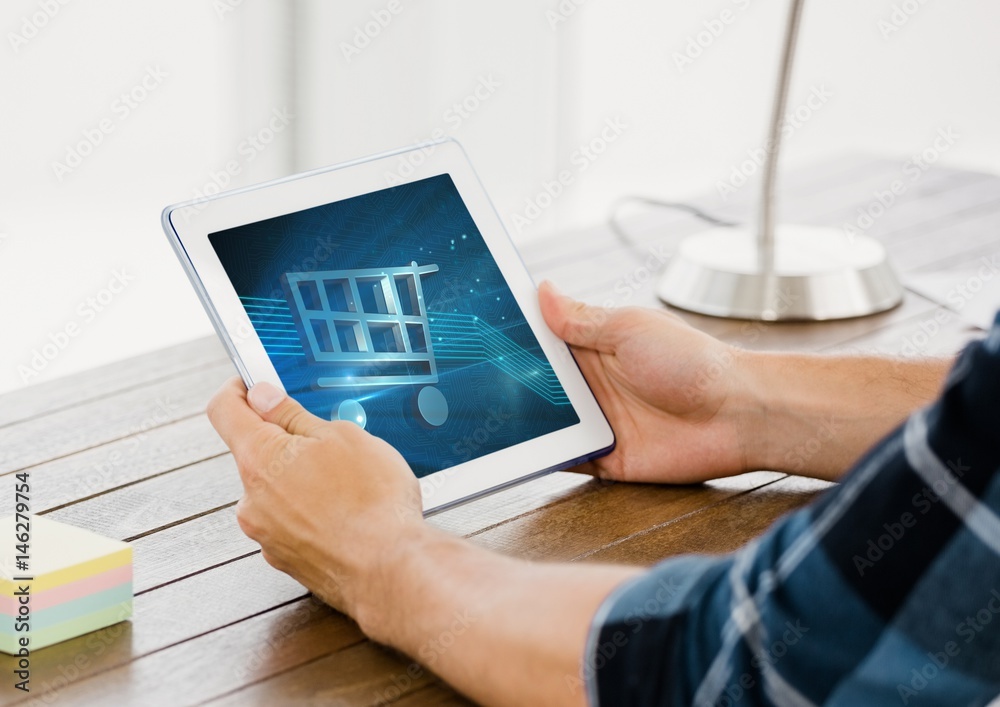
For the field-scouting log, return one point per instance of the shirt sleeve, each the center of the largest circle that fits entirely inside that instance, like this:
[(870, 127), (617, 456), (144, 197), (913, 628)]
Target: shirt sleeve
[(885, 591)]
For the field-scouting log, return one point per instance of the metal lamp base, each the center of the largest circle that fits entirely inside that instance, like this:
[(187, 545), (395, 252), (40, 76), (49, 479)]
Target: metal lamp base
[(819, 274)]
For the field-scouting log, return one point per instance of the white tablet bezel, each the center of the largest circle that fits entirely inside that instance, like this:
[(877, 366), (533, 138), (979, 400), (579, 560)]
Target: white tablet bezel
[(189, 224)]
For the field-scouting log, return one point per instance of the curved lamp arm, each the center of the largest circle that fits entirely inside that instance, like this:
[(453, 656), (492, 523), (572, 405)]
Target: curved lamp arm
[(766, 216)]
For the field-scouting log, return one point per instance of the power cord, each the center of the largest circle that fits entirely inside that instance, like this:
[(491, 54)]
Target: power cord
[(627, 240)]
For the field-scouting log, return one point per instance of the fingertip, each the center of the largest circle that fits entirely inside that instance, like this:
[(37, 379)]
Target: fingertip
[(573, 321), (281, 409), (550, 287), (264, 397), (549, 299), (233, 418)]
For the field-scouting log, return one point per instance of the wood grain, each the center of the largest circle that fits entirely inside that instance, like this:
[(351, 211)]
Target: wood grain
[(168, 616), (159, 502), (241, 653), (363, 674), (568, 530), (437, 694), (104, 468), (125, 414), (187, 548), (721, 528), (69, 392), (935, 333)]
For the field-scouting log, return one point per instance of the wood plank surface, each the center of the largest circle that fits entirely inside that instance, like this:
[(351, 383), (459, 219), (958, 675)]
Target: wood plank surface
[(717, 529), (110, 466), (70, 391), (126, 414), (125, 450), (434, 694)]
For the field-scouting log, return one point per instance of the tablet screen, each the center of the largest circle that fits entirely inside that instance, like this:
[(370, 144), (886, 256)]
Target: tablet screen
[(388, 310)]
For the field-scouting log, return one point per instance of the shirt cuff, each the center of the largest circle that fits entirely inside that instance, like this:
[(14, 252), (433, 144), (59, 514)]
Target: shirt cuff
[(590, 654)]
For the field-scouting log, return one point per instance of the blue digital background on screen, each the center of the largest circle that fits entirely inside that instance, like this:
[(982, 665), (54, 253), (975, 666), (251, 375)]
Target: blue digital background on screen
[(388, 309)]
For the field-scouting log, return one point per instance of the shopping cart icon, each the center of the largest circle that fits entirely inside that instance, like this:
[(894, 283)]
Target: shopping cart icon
[(368, 327)]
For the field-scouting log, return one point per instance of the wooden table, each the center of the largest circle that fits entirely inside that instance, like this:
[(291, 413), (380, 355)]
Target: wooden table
[(127, 451)]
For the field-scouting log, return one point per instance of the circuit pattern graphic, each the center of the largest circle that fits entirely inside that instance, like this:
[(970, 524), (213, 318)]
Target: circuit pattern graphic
[(456, 337)]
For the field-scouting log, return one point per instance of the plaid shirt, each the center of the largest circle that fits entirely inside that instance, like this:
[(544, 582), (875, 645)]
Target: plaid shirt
[(886, 591)]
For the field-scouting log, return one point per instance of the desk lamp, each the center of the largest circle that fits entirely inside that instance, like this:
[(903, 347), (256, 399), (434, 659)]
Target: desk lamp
[(795, 272)]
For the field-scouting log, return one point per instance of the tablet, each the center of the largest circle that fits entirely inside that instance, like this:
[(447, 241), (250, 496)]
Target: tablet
[(386, 292)]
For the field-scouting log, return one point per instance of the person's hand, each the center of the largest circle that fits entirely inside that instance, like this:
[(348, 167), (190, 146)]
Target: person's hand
[(679, 401), (328, 502)]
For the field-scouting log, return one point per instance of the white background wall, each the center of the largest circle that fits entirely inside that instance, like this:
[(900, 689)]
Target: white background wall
[(62, 240)]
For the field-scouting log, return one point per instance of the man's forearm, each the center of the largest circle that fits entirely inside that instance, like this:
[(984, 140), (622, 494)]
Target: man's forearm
[(501, 630), (819, 414)]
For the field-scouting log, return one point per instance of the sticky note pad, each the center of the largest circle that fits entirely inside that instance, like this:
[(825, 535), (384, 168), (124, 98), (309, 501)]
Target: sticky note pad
[(76, 581)]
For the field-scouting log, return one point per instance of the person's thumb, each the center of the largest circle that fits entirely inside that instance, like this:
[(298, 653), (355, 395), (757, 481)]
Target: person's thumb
[(277, 407), (574, 322)]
